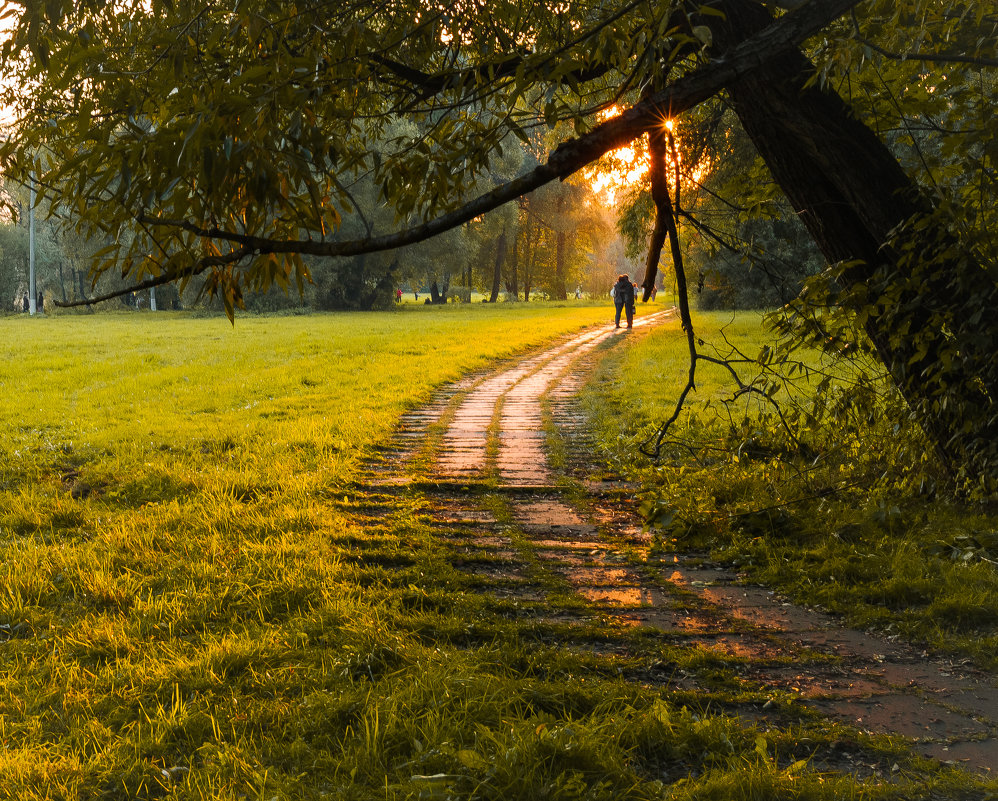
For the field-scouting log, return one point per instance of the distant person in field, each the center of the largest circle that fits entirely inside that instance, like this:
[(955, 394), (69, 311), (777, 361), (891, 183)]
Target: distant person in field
[(623, 299), (398, 295), (25, 304), (40, 308)]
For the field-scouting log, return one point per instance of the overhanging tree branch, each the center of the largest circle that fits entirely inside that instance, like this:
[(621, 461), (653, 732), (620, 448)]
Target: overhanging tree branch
[(786, 32), (505, 67), (936, 58), (166, 277)]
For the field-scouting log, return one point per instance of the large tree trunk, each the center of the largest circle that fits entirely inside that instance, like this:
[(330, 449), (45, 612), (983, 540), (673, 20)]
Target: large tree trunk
[(852, 194)]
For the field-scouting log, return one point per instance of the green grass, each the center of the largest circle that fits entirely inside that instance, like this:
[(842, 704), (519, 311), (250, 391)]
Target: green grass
[(167, 517), (840, 521), (198, 601), (145, 404)]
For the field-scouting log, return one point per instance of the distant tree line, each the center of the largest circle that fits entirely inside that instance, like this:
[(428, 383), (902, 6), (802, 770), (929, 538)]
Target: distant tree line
[(553, 243)]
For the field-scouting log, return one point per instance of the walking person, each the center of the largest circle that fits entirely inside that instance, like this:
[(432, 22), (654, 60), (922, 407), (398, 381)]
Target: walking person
[(623, 299)]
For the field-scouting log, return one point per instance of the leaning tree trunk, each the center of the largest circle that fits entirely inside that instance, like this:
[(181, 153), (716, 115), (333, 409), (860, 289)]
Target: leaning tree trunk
[(918, 298)]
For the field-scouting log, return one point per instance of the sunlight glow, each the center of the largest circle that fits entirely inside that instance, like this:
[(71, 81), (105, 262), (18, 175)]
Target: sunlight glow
[(627, 166), (618, 169)]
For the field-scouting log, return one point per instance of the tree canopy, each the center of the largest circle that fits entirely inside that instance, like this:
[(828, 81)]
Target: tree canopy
[(231, 137)]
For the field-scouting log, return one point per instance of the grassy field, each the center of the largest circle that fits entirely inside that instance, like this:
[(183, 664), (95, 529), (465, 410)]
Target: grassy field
[(168, 509), (198, 602), (842, 520), (136, 404)]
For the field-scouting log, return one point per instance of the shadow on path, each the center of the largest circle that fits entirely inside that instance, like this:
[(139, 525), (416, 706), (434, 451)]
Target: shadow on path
[(490, 438)]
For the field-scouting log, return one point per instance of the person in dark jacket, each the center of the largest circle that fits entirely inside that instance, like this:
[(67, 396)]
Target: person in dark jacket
[(623, 299)]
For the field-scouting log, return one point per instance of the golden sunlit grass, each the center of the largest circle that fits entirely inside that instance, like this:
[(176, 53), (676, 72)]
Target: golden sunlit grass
[(170, 540), (167, 396), (197, 601)]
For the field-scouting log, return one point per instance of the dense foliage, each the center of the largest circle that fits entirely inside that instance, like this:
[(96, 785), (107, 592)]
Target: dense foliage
[(202, 137)]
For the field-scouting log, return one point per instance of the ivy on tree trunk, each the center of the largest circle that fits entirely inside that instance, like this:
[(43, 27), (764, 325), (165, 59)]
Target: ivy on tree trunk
[(916, 294)]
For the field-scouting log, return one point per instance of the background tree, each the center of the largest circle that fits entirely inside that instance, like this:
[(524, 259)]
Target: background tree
[(743, 245)]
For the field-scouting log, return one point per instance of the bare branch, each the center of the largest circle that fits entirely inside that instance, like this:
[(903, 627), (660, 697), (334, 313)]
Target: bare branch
[(744, 389), (167, 277), (665, 221)]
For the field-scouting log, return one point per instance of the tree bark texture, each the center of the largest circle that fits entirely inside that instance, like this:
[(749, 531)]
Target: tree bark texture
[(852, 195)]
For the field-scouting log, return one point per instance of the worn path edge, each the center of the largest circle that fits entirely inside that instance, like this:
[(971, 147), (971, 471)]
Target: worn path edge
[(496, 430)]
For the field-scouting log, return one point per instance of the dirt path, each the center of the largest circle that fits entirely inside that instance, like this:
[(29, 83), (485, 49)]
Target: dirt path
[(502, 458)]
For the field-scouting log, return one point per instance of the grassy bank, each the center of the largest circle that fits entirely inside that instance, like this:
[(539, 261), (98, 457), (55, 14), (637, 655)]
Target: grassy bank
[(838, 520)]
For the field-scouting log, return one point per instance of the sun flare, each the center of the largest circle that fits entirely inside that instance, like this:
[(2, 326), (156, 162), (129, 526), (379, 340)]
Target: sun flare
[(627, 166), (622, 168)]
